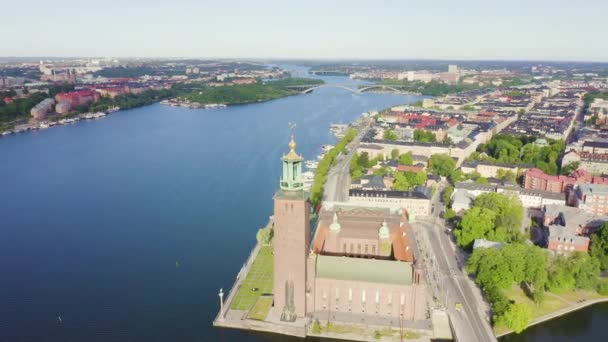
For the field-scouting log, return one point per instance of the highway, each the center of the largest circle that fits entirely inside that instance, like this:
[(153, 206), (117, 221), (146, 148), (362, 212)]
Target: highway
[(449, 280)]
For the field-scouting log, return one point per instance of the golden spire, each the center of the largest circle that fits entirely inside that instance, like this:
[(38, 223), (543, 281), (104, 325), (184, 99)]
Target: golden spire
[(292, 155), (292, 144)]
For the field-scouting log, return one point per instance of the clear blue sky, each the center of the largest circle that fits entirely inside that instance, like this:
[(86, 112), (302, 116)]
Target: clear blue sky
[(460, 29)]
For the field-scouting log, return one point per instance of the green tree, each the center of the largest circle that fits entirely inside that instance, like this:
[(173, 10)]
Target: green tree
[(264, 235), (482, 180), (476, 223), (401, 182), (599, 246), (568, 169), (395, 154), (447, 196), (490, 268), (442, 164), (421, 135), (508, 209), (516, 317), (506, 175), (389, 135), (406, 159)]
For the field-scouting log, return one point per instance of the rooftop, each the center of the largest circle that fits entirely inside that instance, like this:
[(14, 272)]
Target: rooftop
[(366, 270)]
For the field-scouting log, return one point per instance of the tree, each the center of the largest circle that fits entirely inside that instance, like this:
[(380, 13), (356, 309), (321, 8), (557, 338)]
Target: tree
[(516, 317), (383, 171), (568, 169), (599, 245), (264, 235), (424, 136), (476, 223), (395, 154), (506, 175), (482, 180), (447, 196), (363, 160), (406, 159), (442, 164), (508, 209), (515, 256), (401, 182), (490, 268), (389, 135), (586, 271)]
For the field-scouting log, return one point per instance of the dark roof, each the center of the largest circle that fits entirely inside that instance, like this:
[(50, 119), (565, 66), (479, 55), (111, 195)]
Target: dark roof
[(419, 192)]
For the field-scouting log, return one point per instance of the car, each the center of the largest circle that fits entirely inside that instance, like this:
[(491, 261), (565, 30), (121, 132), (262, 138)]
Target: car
[(458, 306)]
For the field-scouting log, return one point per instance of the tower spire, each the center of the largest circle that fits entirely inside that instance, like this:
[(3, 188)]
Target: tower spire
[(292, 168)]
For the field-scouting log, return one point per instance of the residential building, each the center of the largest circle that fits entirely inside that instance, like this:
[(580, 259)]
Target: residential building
[(567, 229), (414, 203), (40, 110), (592, 198)]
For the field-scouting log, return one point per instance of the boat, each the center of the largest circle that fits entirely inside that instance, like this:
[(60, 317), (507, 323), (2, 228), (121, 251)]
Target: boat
[(308, 175), (320, 156), (311, 164), (44, 125), (327, 148)]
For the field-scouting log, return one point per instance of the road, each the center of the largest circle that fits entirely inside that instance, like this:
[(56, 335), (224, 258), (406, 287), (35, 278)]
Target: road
[(449, 280), (338, 178), (446, 277)]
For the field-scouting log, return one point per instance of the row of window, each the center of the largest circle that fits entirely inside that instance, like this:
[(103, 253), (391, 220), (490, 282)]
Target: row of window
[(389, 297), (352, 249)]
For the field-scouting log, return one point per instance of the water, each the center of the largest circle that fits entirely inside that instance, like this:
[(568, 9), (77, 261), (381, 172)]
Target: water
[(584, 325), (95, 215)]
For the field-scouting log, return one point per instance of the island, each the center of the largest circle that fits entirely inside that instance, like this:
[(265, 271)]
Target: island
[(235, 92)]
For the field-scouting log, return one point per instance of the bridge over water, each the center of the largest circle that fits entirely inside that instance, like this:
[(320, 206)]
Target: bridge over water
[(378, 87)]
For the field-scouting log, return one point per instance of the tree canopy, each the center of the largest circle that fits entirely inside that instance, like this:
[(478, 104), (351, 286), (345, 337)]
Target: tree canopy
[(521, 150), (389, 135), (442, 164), (424, 136), (496, 217), (599, 246)]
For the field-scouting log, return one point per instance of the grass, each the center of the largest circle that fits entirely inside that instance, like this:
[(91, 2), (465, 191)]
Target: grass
[(335, 328), (389, 332), (261, 308), (551, 303), (260, 277)]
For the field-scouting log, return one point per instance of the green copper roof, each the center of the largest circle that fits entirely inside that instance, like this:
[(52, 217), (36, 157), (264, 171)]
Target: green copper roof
[(367, 270)]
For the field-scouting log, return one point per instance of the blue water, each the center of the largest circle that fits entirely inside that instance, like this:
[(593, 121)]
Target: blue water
[(95, 215)]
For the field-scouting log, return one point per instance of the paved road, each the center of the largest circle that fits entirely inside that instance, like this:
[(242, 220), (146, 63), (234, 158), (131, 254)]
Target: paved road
[(449, 281), (338, 179)]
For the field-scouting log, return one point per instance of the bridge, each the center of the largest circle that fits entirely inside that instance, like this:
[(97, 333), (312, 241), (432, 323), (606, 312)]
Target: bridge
[(305, 89)]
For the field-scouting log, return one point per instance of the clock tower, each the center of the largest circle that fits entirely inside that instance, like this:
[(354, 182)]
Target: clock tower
[(291, 238)]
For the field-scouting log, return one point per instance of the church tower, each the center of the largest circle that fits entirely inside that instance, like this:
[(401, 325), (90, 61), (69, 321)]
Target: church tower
[(291, 238)]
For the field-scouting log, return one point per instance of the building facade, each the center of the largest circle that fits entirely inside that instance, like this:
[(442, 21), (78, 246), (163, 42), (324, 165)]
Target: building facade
[(291, 239)]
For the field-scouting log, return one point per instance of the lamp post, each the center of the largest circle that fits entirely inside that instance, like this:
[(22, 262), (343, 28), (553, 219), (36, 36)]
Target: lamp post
[(221, 294)]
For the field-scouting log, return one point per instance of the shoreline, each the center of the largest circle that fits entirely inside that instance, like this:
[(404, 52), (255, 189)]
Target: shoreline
[(559, 313)]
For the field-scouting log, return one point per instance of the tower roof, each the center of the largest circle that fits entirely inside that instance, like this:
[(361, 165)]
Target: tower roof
[(292, 154)]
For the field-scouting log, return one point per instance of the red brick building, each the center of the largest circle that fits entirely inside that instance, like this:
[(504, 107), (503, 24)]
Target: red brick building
[(538, 180), (75, 99)]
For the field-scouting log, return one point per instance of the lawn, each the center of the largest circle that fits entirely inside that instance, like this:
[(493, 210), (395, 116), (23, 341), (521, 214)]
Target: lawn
[(551, 303), (261, 308), (257, 282)]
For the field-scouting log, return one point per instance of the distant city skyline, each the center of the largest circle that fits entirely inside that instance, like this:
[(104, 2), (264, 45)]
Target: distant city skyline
[(440, 29)]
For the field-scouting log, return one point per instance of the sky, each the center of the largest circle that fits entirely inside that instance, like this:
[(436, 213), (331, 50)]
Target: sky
[(328, 29)]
